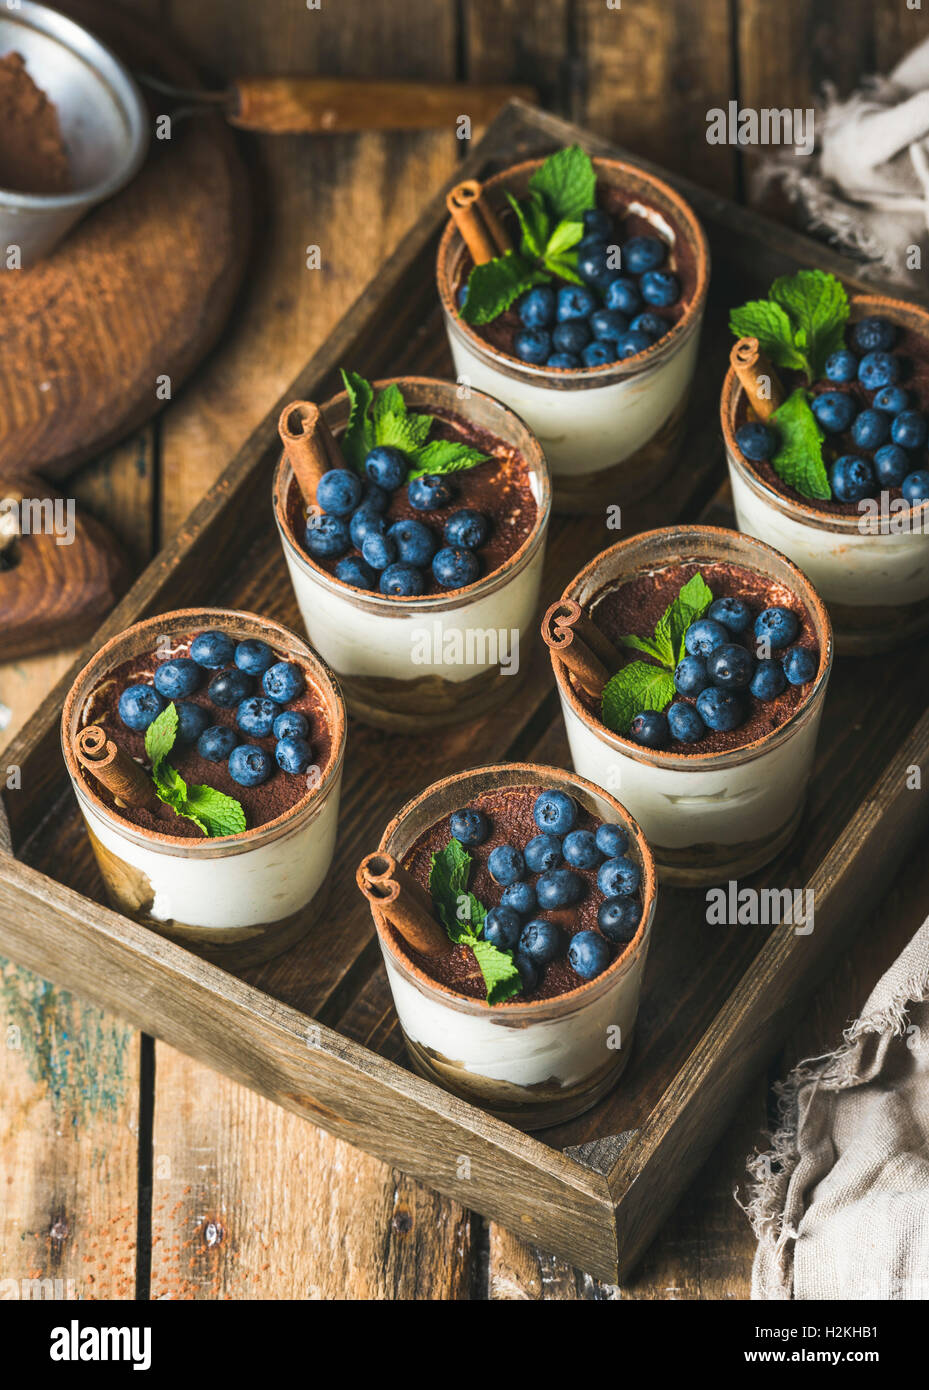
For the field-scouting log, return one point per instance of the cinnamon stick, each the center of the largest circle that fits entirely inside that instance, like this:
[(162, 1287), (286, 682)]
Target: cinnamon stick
[(477, 222), (407, 906), (588, 654), (310, 446), (114, 768), (757, 377)]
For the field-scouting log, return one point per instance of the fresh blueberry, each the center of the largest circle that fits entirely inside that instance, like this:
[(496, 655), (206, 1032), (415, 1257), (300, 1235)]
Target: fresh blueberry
[(572, 336), (642, 253), (379, 551), (842, 366), (871, 429), (623, 294), (253, 656), (776, 627), (612, 840), (216, 743), (506, 865), (502, 927), (721, 710), (660, 288), (365, 522), (618, 919), (290, 723), (588, 954), (283, 682), (191, 721), (575, 302), (537, 308), (466, 527), (528, 972), (402, 581), (800, 665), (891, 399), (338, 492), (834, 411), (851, 478), (541, 941), (691, 676), (598, 353), (543, 853), (879, 369), (469, 827), (769, 680), (255, 716), (592, 264), (212, 649), (230, 688), (533, 345), (874, 335), (293, 754), (598, 223), (891, 465), (375, 497), (608, 324), (430, 491), (250, 765), (756, 441), (632, 343), (415, 542), (685, 723), (652, 324), (915, 486), (326, 537), (580, 849), (554, 812), (733, 613), (454, 567), (564, 359), (462, 296), (179, 677), (559, 888), (909, 430), (521, 898), (387, 467), (354, 571), (704, 636), (618, 877), (650, 728), (730, 666)]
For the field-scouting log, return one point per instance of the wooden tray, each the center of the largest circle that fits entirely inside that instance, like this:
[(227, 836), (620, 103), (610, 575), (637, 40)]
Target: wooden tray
[(315, 1030)]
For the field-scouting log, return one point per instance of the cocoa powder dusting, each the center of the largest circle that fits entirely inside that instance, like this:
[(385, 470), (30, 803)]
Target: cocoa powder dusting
[(32, 152)]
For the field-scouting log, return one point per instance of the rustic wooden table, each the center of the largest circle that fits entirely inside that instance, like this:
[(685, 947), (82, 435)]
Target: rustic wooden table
[(127, 1169)]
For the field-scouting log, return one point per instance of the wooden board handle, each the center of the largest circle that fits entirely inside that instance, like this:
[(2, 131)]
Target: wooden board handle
[(306, 105)]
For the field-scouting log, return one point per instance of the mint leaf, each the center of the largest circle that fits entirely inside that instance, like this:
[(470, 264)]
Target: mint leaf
[(404, 432), (818, 308), (448, 883), (636, 687), (358, 440), (501, 977), (691, 603), (565, 235), (533, 224), (565, 267), (444, 456), (160, 736), (386, 403), (493, 286), (768, 322), (214, 811), (656, 649), (170, 786), (567, 182), (799, 458)]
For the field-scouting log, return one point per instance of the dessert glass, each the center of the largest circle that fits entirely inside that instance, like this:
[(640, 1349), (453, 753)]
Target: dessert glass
[(609, 433), (708, 817), (408, 664), (875, 582), (236, 899), (532, 1064)]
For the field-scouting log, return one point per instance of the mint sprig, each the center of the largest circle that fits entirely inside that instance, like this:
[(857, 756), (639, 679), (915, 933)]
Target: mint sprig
[(462, 915), (213, 811), (799, 458), (382, 417)]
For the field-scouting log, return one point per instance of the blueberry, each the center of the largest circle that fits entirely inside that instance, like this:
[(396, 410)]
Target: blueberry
[(612, 840), (733, 613), (430, 491), (543, 853), (462, 296), (874, 335), (588, 954), (871, 429), (469, 827), (650, 728), (191, 721), (756, 441), (253, 656), (179, 677), (891, 465), (891, 399), (660, 288), (250, 765), (878, 369), (730, 666), (521, 898), (541, 941), (216, 743), (375, 497), (769, 680), (326, 537), (608, 324), (851, 478), (365, 522), (632, 343), (652, 324), (685, 723), (454, 567), (618, 877), (283, 682), (842, 366), (230, 688), (506, 865), (212, 649), (415, 542), (564, 359), (354, 571), (592, 267), (554, 812), (402, 581), (255, 716), (776, 627), (537, 308), (916, 486), (909, 430), (623, 294), (800, 665), (528, 972), (834, 411), (379, 551), (290, 723), (598, 223), (580, 849), (387, 467), (559, 888), (720, 709), (575, 302), (704, 636), (293, 754), (466, 527), (338, 492), (533, 345), (618, 919), (691, 676), (572, 336), (642, 253), (598, 353), (502, 927)]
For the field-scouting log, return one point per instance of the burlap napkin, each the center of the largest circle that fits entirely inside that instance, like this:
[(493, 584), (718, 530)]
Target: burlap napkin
[(840, 1202)]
